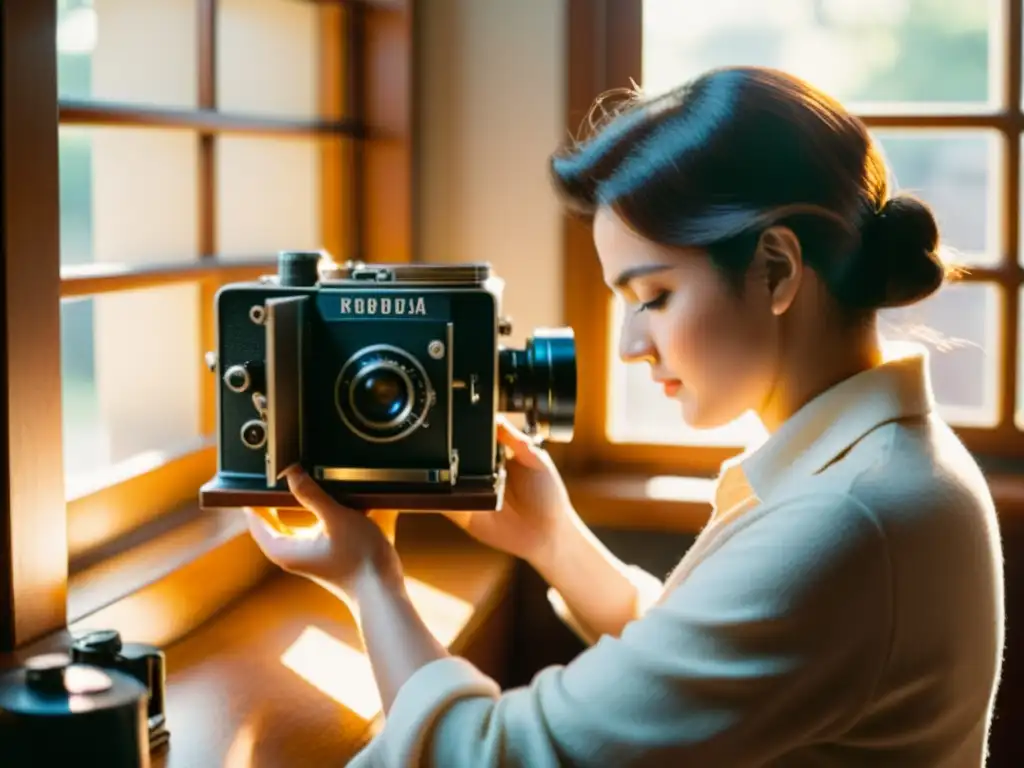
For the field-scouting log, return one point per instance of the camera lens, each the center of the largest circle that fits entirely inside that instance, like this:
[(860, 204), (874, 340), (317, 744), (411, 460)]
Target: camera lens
[(380, 396), (540, 381), (383, 394)]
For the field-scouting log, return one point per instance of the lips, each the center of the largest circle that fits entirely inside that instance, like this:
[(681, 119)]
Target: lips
[(671, 387)]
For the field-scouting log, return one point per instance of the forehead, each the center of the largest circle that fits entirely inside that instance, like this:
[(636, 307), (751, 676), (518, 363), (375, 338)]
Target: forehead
[(620, 248)]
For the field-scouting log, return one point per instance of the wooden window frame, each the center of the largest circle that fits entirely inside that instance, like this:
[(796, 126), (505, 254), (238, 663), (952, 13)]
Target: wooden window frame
[(605, 52), (366, 200)]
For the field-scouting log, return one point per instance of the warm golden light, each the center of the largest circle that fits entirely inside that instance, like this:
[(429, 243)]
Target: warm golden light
[(336, 669), (679, 488), (343, 673), (240, 752), (444, 614)]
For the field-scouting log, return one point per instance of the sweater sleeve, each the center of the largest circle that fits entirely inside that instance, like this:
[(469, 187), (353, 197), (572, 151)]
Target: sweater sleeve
[(648, 590), (775, 639)]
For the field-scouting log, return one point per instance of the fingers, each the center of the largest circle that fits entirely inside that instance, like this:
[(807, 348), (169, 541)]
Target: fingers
[(268, 517), (275, 545), (308, 493), (331, 513), (512, 437)]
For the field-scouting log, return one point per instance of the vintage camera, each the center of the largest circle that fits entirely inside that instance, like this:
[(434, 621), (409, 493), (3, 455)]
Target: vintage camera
[(381, 380)]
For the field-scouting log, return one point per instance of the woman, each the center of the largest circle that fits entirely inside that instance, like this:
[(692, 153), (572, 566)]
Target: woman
[(843, 606)]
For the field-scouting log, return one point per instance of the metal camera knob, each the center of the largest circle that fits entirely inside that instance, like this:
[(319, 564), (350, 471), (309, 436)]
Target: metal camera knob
[(254, 434), (298, 269), (98, 647), (237, 378)]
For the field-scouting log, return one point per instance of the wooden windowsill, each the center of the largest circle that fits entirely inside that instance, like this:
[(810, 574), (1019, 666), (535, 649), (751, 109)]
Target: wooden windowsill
[(682, 504), (265, 668), (642, 502), (279, 678)]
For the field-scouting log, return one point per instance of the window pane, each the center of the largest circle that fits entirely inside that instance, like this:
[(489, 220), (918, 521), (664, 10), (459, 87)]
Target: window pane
[(267, 57), (140, 51), (268, 195), (960, 327), (957, 173), (127, 195), (882, 52), (639, 412), (130, 379)]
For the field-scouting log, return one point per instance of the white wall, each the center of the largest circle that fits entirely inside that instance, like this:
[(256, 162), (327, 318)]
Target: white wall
[(491, 111)]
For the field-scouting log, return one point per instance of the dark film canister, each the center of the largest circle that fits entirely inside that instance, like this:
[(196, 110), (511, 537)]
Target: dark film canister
[(298, 268), (55, 712)]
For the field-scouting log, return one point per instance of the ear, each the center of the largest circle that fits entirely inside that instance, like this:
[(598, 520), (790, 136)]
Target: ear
[(780, 259)]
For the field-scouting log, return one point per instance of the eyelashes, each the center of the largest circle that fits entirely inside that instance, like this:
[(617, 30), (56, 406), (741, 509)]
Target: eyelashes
[(657, 302)]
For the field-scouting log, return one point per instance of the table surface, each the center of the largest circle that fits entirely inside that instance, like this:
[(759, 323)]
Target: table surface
[(280, 679)]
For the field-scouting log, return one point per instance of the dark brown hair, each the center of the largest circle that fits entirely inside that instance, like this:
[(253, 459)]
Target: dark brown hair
[(716, 161)]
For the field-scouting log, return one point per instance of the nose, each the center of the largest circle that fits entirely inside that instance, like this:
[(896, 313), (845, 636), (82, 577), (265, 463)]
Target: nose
[(635, 344)]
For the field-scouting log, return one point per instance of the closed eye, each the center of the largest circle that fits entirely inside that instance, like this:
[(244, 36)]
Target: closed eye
[(656, 303)]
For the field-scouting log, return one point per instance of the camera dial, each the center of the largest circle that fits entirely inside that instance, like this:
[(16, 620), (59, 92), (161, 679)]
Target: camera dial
[(254, 434), (383, 394), (237, 378)]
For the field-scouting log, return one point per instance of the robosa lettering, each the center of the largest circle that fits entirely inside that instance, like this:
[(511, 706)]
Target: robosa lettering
[(403, 306)]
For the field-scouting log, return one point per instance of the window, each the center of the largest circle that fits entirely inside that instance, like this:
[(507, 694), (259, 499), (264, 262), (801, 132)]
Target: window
[(196, 139), (160, 204), (938, 83)]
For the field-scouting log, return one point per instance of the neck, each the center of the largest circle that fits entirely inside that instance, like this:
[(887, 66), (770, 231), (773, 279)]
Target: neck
[(821, 362)]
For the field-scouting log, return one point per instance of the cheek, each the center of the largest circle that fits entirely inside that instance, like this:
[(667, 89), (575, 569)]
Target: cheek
[(714, 345)]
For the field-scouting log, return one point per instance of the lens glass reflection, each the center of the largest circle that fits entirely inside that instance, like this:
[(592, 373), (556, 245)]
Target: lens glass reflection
[(380, 396)]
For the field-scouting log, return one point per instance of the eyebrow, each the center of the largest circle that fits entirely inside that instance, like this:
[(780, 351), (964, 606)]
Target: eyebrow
[(631, 274)]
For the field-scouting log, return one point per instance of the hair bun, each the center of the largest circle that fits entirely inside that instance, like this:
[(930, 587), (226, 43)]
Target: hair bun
[(899, 250)]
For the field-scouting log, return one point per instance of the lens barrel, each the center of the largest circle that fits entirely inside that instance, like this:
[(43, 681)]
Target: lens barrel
[(540, 382)]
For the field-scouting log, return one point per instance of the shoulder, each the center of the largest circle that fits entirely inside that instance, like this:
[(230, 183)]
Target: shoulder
[(921, 485), (799, 554), (912, 474)]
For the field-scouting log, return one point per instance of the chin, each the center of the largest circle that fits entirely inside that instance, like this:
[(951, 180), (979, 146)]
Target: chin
[(702, 417)]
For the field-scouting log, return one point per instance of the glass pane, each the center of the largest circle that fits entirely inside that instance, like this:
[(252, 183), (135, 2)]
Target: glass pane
[(267, 57), (130, 380), (957, 173), (961, 329), (882, 52), (127, 195), (959, 326), (639, 412), (141, 51), (268, 195)]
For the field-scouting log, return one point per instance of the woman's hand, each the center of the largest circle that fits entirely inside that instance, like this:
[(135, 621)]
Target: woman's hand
[(343, 546), (536, 502)]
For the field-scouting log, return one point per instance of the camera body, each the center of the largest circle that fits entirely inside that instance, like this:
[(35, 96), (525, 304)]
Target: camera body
[(382, 381)]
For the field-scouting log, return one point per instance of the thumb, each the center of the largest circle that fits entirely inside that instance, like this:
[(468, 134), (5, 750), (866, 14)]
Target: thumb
[(512, 437), (309, 493)]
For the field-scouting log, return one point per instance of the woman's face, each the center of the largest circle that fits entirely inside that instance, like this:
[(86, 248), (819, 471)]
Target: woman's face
[(713, 349)]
